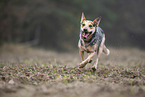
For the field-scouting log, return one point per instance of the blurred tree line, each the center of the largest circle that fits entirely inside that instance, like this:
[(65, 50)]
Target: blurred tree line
[(55, 23)]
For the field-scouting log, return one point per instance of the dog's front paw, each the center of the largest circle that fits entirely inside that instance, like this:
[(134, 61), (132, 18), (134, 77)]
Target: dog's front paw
[(94, 68), (83, 64), (90, 61)]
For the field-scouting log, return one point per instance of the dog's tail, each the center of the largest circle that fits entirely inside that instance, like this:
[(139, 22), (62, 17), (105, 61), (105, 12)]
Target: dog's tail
[(106, 50)]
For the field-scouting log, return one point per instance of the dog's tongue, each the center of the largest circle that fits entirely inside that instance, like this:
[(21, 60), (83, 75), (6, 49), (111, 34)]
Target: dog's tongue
[(85, 35)]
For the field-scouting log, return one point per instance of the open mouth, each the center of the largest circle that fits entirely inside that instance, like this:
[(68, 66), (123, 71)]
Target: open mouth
[(86, 34)]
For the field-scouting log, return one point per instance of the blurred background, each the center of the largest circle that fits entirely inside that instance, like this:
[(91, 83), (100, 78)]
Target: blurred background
[(55, 24)]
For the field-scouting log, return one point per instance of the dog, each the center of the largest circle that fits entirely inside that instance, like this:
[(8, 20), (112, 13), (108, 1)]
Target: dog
[(92, 39)]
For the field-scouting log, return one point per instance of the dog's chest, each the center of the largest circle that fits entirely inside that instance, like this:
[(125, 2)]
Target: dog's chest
[(89, 48)]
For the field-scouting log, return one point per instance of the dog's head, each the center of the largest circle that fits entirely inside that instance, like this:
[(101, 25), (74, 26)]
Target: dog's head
[(88, 27)]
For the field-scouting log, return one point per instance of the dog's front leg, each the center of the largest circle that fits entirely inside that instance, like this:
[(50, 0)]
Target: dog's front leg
[(99, 51), (82, 55), (98, 56), (87, 60)]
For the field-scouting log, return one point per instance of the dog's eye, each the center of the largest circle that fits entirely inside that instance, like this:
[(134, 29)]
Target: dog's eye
[(83, 24), (90, 26)]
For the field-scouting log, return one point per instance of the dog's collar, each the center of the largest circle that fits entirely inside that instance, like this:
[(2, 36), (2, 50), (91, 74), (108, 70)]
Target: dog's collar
[(96, 36)]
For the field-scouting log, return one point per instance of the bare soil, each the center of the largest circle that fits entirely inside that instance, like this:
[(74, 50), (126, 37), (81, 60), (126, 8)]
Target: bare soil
[(29, 72)]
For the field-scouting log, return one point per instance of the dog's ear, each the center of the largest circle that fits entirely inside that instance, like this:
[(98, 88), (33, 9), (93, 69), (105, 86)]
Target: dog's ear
[(97, 21), (83, 17)]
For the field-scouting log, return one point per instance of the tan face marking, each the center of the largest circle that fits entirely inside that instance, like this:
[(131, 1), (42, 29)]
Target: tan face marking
[(87, 24)]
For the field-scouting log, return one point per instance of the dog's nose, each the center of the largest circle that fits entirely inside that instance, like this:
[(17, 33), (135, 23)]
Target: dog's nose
[(85, 29)]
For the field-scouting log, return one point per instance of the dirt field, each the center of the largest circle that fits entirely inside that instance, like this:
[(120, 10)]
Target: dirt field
[(27, 72)]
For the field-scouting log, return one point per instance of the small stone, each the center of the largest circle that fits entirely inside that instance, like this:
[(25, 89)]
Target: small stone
[(11, 81)]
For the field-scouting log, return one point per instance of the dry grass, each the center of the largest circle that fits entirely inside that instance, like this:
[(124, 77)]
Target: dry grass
[(29, 72)]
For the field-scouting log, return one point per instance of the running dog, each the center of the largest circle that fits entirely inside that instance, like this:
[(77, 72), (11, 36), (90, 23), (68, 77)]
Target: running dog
[(92, 39)]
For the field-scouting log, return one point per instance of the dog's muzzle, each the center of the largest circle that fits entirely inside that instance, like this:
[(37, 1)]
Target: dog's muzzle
[(86, 35)]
